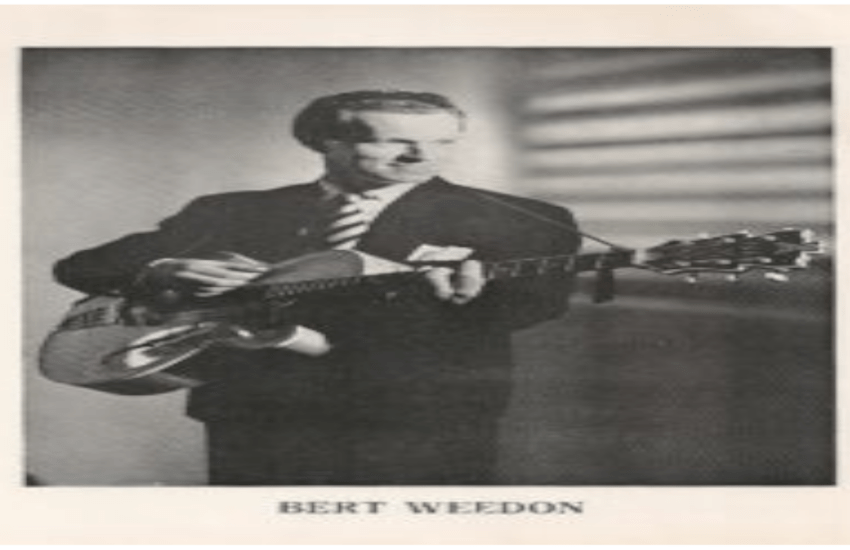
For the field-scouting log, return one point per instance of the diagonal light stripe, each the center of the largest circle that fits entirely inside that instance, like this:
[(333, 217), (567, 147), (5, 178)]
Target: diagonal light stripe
[(691, 90), (806, 148), (811, 115), (575, 66), (762, 179), (783, 212)]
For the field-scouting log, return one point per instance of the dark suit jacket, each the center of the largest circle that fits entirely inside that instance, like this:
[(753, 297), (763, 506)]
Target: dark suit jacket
[(395, 360)]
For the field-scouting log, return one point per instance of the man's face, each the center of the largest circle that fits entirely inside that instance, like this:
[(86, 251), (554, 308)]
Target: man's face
[(390, 148)]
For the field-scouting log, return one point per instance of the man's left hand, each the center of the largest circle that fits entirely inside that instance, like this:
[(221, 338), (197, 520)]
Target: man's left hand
[(458, 286)]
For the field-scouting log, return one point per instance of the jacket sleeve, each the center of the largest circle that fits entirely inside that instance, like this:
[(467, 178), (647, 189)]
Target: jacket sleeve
[(113, 267)]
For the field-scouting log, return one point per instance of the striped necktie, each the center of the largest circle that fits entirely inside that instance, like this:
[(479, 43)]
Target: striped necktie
[(346, 223)]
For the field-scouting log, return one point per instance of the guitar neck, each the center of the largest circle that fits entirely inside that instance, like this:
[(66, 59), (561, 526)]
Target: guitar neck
[(503, 269), (573, 263), (775, 254)]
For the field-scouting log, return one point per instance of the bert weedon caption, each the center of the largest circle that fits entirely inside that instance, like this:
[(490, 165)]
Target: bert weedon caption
[(539, 507)]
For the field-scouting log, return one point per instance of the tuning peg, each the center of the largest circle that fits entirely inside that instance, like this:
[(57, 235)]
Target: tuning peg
[(776, 276), (692, 278), (803, 260), (733, 277), (703, 235), (807, 236)]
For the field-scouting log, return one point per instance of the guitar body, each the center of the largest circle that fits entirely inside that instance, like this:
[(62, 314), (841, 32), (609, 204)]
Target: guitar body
[(113, 356), (113, 345)]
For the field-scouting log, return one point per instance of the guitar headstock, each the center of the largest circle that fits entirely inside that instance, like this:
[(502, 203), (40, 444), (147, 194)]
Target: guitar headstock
[(775, 254)]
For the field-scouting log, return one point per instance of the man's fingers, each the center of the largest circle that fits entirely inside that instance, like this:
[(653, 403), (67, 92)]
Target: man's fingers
[(199, 279), (225, 269), (441, 280), (248, 268), (242, 260), (468, 281), (459, 286), (210, 291), (208, 277), (212, 275), (211, 272)]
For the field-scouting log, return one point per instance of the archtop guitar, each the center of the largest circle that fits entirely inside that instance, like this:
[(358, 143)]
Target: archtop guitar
[(134, 346)]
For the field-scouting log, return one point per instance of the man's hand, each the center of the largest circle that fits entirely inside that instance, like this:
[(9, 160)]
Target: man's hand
[(205, 278), (458, 286), (252, 339), (299, 339)]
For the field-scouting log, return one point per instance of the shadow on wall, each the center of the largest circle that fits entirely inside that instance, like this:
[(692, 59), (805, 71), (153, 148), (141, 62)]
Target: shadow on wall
[(714, 383)]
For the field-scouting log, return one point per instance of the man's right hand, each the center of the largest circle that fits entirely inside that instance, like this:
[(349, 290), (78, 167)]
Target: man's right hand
[(204, 278)]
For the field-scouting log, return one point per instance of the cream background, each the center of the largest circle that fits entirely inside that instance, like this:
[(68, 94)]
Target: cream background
[(241, 515)]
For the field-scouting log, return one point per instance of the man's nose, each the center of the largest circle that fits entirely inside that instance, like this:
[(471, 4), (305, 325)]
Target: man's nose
[(417, 153)]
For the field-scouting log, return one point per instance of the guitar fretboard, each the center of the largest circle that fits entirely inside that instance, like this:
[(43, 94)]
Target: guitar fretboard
[(506, 269)]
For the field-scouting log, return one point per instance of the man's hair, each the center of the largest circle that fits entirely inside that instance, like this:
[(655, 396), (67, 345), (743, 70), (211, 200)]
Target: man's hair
[(323, 119)]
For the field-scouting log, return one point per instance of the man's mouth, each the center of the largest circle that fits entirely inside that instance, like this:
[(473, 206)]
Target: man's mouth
[(417, 167)]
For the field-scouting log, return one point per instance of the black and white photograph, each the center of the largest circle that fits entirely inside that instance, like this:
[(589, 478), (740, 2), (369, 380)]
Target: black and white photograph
[(428, 266)]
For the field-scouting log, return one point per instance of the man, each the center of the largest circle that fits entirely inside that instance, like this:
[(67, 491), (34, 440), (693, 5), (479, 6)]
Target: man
[(402, 390)]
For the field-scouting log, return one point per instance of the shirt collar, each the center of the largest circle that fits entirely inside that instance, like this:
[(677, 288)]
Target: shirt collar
[(384, 194)]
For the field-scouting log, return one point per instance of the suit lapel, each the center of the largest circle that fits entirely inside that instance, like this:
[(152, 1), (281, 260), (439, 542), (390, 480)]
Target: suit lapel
[(278, 225)]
